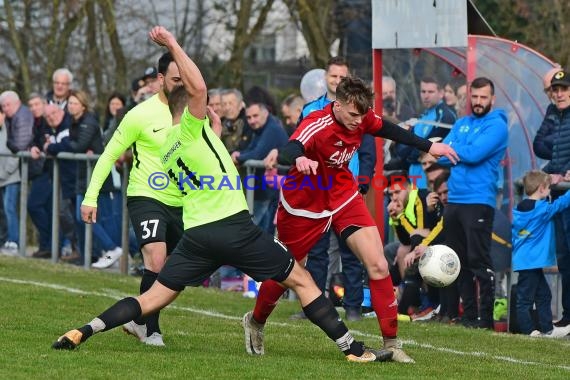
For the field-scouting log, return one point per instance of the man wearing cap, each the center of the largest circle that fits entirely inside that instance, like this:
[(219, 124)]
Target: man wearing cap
[(554, 139), (155, 210), (150, 78), (542, 144)]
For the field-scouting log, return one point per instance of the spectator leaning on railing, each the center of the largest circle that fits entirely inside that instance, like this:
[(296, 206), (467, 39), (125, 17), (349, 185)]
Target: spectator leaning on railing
[(19, 123)]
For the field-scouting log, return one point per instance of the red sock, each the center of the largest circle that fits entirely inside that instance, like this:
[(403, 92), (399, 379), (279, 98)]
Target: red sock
[(269, 293), (385, 305)]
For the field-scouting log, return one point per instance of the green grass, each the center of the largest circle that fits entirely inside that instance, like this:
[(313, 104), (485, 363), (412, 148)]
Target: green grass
[(40, 301)]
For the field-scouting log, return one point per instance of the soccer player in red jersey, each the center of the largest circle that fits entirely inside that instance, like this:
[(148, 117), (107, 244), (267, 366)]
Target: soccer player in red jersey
[(316, 196)]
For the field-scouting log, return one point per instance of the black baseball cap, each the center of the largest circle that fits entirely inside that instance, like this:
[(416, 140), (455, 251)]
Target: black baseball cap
[(136, 84), (561, 78), (150, 72)]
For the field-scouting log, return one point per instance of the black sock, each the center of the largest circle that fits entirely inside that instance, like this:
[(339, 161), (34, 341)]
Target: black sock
[(323, 314), (151, 320), (120, 313)]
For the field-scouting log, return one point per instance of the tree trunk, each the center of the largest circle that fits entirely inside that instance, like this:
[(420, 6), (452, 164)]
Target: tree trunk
[(116, 48), (317, 25), (242, 39), (92, 52), (23, 86)]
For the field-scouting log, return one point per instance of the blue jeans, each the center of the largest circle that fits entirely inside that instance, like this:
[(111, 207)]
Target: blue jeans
[(532, 288), (40, 208), (11, 202), (352, 270), (105, 228), (318, 262), (264, 213)]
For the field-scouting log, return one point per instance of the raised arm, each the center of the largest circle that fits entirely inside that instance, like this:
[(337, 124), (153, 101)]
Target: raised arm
[(189, 73)]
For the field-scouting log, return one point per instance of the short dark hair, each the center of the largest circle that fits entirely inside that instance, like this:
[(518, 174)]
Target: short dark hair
[(178, 100), (430, 79), (482, 82), (164, 61), (355, 91), (397, 178), (435, 166), (441, 179), (293, 98), (337, 61)]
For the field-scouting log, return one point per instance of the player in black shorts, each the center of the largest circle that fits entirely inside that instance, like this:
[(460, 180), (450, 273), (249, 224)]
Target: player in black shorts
[(152, 208), (218, 229)]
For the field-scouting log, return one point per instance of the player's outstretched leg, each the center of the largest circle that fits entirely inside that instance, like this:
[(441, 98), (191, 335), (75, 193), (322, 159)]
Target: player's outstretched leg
[(121, 312), (125, 310), (322, 313)]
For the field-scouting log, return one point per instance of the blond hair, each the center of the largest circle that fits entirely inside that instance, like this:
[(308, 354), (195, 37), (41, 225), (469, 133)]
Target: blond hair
[(533, 179), (82, 97)]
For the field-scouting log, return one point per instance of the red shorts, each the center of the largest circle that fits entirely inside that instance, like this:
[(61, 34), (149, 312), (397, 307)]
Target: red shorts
[(300, 234)]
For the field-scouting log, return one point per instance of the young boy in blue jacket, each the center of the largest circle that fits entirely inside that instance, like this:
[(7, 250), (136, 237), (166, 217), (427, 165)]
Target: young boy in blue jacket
[(533, 250)]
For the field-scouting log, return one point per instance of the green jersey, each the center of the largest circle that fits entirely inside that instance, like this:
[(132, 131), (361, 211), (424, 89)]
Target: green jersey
[(145, 127), (201, 169)]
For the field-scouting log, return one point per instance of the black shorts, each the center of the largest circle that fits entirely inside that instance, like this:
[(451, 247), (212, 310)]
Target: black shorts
[(234, 241), (153, 221)]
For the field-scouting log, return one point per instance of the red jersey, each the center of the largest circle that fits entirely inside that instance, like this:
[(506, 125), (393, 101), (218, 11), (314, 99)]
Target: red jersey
[(332, 145)]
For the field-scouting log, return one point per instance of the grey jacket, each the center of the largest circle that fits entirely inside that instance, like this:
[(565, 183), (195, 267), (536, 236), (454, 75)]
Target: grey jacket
[(20, 129), (9, 166)]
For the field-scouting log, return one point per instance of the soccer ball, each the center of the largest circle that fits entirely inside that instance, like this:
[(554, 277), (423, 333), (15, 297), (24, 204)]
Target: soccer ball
[(439, 265)]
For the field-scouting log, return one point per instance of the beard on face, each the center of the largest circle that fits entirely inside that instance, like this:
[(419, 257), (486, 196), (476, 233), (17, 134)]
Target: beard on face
[(480, 111)]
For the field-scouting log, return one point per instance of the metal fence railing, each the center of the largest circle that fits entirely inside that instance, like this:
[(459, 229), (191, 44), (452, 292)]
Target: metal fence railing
[(89, 159)]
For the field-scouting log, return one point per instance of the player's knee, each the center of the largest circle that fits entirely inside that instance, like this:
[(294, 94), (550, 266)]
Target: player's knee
[(154, 255), (378, 268), (299, 277), (154, 260)]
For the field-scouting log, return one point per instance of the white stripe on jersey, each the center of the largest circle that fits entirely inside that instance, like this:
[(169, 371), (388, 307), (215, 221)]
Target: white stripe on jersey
[(314, 128), (311, 214)]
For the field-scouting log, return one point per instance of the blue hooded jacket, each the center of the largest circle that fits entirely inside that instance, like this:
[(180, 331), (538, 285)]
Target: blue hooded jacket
[(480, 143), (533, 234)]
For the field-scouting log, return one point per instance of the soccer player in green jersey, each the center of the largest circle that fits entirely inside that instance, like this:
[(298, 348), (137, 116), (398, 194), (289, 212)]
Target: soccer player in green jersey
[(214, 208), (154, 209)]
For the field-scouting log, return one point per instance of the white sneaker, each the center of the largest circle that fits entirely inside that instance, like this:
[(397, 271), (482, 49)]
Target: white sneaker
[(109, 258), (155, 339), (253, 335), (138, 331), (557, 332), (535, 334), (9, 248)]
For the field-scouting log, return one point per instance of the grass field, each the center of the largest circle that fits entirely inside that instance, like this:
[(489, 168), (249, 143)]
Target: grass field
[(40, 301)]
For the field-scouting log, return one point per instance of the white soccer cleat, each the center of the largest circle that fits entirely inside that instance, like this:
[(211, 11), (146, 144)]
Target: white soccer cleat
[(138, 331), (109, 258), (253, 335), (398, 355), (155, 339)]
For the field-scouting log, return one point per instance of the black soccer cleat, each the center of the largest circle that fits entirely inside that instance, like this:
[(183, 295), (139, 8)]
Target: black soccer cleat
[(69, 341)]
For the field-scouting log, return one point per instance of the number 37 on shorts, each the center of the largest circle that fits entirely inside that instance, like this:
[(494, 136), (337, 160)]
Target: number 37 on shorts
[(149, 228)]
